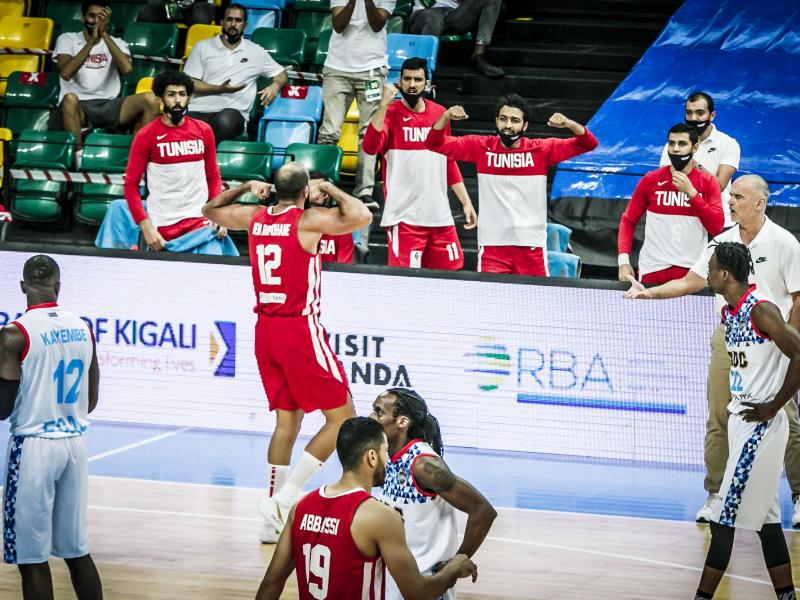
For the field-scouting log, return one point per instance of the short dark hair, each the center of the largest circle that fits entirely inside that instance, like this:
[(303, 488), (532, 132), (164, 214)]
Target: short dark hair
[(86, 4), (735, 258), (514, 101), (237, 7), (290, 180), (424, 425), (695, 96), (687, 129), (414, 64), (172, 77), (356, 436), (40, 270)]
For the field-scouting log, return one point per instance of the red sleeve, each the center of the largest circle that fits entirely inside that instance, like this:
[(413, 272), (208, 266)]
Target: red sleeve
[(558, 149), (633, 213), (457, 148), (453, 172), (137, 163), (375, 141), (212, 168), (708, 204)]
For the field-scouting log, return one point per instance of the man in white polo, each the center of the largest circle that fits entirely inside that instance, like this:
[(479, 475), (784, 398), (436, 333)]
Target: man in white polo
[(718, 152), (776, 264), (225, 69)]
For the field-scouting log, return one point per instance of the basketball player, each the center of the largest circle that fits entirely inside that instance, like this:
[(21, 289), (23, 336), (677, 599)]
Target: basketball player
[(421, 486), (340, 539), (48, 383), (299, 370), (765, 375)]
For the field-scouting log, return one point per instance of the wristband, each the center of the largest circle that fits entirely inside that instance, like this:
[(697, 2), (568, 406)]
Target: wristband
[(624, 259)]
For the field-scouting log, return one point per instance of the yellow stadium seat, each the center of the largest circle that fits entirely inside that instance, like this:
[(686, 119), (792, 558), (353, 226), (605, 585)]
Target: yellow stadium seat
[(12, 8), (352, 113), (197, 33), (144, 85), (22, 32), (348, 142), (5, 134)]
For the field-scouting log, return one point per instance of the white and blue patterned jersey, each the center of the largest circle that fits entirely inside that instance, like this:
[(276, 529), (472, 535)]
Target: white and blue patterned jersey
[(429, 520), (53, 396), (758, 367)]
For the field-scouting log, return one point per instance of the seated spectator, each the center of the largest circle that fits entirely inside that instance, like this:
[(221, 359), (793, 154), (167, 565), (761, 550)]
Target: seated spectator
[(332, 248), (216, 62), (683, 206), (89, 65), (434, 17), (179, 155), (189, 12), (717, 153)]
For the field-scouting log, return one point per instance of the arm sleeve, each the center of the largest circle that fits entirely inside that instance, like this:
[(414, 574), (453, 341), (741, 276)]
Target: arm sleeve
[(270, 68), (559, 149), (708, 205), (213, 178), (453, 172), (664, 162), (630, 218), (375, 141), (137, 163), (194, 64), (457, 148), (731, 155)]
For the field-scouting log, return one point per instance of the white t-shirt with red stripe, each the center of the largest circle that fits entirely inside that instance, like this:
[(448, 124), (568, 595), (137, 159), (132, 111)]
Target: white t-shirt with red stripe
[(182, 171), (98, 77), (677, 227), (415, 179), (512, 182)]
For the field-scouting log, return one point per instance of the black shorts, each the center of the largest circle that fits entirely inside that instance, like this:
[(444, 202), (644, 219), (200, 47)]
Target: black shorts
[(103, 114)]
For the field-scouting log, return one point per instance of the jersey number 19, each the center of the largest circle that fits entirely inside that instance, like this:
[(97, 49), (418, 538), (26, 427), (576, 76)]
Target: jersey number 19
[(318, 563)]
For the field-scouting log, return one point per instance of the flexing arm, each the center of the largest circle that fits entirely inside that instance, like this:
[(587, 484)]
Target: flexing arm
[(559, 150), (280, 567), (457, 148), (342, 16), (12, 345), (236, 217), (432, 473), (376, 17), (688, 284), (347, 216), (768, 320), (378, 129)]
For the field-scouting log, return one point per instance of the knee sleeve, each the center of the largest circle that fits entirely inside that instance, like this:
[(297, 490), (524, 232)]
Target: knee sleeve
[(773, 545), (719, 552)]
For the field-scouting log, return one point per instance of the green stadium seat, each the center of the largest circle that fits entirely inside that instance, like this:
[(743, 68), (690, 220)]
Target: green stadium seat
[(396, 24), (123, 13), (456, 37), (321, 52), (34, 90), (92, 200), (18, 119), (106, 152), (62, 11), (403, 8), (40, 203), (141, 68), (152, 39), (313, 24), (325, 159), (316, 5), (45, 149), (286, 46), (242, 161)]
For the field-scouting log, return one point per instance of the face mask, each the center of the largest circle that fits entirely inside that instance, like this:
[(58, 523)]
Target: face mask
[(411, 99), (508, 139), (700, 126), (176, 113), (679, 161)]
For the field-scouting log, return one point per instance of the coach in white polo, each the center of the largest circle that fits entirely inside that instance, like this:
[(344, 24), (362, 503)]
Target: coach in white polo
[(776, 265), (225, 70), (718, 152)]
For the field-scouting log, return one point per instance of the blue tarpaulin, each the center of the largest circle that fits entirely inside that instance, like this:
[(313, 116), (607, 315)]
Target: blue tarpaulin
[(746, 55)]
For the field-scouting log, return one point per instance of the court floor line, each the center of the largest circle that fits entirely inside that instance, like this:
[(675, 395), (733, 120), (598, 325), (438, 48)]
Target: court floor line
[(658, 563), (144, 442)]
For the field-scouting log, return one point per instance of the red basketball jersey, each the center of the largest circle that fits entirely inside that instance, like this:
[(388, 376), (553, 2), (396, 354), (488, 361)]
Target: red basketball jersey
[(286, 277), (327, 560)]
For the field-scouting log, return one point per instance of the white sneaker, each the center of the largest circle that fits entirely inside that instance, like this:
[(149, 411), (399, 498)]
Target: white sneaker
[(707, 510), (273, 521), (796, 515)]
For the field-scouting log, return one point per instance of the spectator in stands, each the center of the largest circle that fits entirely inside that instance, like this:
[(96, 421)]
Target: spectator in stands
[(776, 274), (179, 156), (332, 248), (356, 67), (434, 17), (189, 12), (419, 224), (512, 178), (718, 153), (89, 63), (683, 206), (216, 62)]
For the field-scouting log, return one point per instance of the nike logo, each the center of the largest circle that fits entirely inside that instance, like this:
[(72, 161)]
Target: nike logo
[(407, 118), (663, 182), (163, 135), (761, 259)]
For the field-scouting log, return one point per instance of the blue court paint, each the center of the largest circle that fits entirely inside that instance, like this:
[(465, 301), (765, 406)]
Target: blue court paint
[(654, 407)]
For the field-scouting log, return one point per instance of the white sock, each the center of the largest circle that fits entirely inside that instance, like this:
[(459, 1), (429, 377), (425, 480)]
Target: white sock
[(290, 492), (276, 478)]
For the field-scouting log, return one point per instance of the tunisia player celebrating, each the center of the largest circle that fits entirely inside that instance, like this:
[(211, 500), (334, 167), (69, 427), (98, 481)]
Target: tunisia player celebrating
[(299, 370)]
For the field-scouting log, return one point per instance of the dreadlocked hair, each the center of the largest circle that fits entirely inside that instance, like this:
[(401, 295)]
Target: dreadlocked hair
[(424, 425), (735, 258)]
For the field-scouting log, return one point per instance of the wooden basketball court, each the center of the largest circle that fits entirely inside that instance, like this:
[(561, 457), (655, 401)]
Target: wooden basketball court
[(167, 541)]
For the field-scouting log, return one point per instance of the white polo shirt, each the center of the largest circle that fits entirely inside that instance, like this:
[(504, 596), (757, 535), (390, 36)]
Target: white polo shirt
[(776, 261), (97, 78), (214, 63), (358, 48), (717, 149)]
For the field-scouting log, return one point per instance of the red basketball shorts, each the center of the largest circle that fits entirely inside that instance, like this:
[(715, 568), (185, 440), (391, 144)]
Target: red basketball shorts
[(513, 260), (297, 365), (417, 246)]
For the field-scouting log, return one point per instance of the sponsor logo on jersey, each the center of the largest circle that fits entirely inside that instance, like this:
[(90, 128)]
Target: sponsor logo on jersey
[(415, 134), (272, 229), (509, 160), (181, 148), (669, 198), (761, 259)]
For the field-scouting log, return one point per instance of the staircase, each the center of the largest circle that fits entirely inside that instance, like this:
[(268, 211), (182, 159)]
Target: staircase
[(566, 56)]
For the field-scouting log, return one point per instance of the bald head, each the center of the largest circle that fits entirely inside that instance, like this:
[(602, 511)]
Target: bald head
[(756, 184), (291, 181)]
